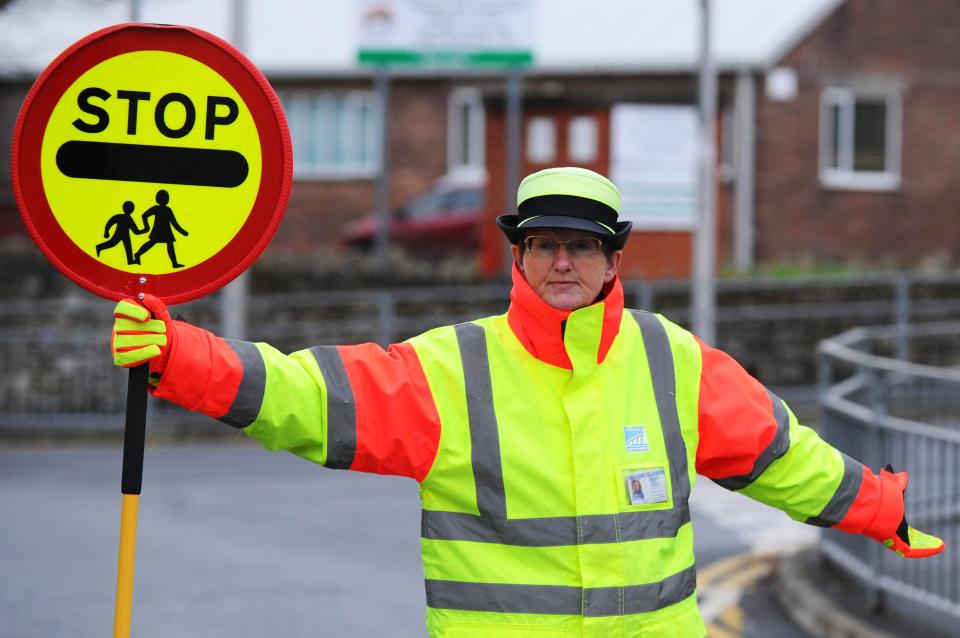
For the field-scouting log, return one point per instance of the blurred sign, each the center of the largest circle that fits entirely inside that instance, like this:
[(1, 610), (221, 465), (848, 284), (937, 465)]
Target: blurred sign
[(151, 158), (445, 33), (653, 159)]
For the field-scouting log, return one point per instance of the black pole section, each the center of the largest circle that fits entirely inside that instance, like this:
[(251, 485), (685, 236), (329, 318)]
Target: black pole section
[(134, 431)]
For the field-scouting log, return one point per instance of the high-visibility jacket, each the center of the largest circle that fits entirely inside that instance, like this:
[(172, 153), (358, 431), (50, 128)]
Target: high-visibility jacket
[(555, 450)]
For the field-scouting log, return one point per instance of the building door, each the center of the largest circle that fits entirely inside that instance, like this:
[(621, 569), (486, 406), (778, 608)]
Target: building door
[(571, 136), (551, 136)]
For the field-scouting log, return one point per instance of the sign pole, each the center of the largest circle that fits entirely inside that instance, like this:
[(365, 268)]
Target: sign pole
[(512, 144), (134, 434), (381, 194), (703, 284), (234, 296)]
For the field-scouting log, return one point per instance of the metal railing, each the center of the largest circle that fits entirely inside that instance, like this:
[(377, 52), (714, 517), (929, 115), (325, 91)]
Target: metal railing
[(892, 395)]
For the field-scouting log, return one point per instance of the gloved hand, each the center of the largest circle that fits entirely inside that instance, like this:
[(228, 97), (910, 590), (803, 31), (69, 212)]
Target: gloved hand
[(138, 338), (910, 542)]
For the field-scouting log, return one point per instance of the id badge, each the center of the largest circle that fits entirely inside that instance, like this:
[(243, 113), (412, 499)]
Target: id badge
[(646, 486)]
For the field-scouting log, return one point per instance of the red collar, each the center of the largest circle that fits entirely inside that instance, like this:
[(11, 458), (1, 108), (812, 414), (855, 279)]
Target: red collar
[(539, 326)]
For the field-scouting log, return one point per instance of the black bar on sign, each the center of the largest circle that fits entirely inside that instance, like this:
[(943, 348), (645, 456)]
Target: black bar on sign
[(158, 164)]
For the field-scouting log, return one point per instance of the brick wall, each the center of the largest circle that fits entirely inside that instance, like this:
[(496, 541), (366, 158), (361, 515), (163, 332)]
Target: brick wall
[(799, 220)]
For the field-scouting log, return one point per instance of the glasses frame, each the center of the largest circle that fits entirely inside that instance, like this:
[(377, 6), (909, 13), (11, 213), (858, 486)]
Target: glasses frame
[(566, 244)]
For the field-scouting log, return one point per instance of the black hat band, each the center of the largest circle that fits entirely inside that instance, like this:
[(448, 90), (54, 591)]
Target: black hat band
[(567, 205)]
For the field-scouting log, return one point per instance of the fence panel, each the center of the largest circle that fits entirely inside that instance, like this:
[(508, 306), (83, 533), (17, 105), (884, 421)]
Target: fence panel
[(884, 410)]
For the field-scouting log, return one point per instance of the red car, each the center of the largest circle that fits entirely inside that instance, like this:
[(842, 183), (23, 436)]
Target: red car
[(443, 220)]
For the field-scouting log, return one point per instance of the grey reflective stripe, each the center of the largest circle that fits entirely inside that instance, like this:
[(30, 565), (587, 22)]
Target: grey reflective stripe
[(341, 408), (777, 448), (660, 359), (484, 438), (504, 598), (246, 405), (844, 497), (638, 599), (636, 526), (555, 531), (554, 599)]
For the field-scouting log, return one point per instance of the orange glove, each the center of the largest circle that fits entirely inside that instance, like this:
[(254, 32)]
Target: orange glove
[(138, 338), (907, 541)]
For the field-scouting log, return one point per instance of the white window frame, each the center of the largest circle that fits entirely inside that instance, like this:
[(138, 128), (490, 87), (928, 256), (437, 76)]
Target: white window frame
[(475, 129), (845, 177), (353, 102)]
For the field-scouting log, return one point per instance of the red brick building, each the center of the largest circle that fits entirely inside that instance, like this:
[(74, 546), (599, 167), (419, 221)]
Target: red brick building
[(838, 135), (878, 85)]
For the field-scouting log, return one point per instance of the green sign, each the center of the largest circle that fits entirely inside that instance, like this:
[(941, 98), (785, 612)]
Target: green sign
[(472, 59), (444, 34)]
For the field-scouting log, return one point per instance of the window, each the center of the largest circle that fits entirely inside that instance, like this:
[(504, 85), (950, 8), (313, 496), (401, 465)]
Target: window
[(582, 135), (860, 138), (335, 135), (653, 159), (541, 140), (465, 133)]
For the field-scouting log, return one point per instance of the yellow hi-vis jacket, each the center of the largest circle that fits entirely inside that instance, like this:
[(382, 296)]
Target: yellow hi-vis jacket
[(556, 452)]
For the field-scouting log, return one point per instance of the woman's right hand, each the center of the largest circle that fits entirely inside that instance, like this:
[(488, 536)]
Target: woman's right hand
[(141, 333)]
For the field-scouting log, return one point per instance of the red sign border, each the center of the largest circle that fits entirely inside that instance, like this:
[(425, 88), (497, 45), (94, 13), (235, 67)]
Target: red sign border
[(272, 195)]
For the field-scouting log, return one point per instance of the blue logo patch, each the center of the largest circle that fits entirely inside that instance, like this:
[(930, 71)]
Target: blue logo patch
[(636, 438)]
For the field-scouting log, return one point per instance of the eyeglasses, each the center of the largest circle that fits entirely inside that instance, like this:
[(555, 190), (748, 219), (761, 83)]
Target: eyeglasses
[(543, 247)]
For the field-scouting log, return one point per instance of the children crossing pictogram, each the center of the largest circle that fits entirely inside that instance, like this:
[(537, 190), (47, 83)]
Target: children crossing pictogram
[(161, 231), (122, 225), (164, 223)]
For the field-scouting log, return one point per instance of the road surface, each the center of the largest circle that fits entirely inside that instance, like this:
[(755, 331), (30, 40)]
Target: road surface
[(235, 541)]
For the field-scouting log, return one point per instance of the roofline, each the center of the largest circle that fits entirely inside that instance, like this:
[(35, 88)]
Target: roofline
[(678, 68), (732, 68), (804, 29)]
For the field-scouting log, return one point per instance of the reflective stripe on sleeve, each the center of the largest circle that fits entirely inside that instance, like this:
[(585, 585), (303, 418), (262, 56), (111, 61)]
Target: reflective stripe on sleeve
[(776, 448), (843, 498), (249, 399), (562, 600), (341, 408)]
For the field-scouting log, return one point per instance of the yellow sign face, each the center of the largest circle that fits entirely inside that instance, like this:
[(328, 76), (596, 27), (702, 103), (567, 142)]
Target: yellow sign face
[(151, 162)]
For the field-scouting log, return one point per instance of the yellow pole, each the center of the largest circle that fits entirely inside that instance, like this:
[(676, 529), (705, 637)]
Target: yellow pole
[(128, 549), (134, 433)]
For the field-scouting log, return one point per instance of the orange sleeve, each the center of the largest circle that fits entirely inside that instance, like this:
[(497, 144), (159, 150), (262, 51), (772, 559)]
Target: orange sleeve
[(737, 421), (744, 427), (878, 507), (203, 372), (397, 424)]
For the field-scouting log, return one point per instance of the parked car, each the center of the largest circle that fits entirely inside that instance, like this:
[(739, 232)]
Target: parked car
[(443, 220)]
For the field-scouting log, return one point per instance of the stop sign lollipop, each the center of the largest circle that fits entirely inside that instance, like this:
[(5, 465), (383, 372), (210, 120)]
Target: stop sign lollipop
[(150, 159)]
